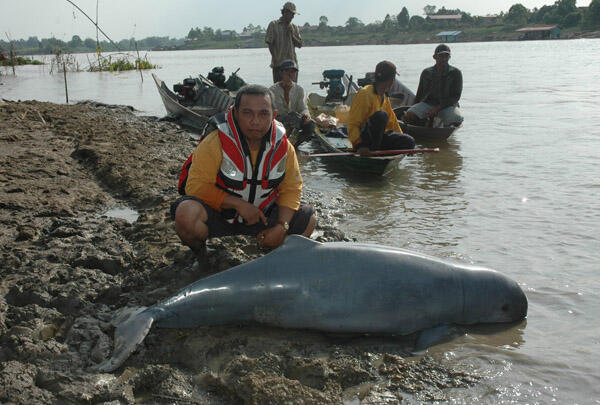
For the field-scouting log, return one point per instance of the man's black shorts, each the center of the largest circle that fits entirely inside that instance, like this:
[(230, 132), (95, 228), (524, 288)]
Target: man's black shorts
[(218, 226)]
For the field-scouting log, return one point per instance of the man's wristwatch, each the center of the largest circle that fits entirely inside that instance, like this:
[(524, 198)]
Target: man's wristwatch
[(285, 225)]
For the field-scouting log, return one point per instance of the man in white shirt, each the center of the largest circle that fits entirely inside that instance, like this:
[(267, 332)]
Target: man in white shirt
[(290, 102)]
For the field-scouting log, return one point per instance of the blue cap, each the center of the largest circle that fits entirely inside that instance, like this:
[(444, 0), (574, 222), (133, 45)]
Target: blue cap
[(288, 64)]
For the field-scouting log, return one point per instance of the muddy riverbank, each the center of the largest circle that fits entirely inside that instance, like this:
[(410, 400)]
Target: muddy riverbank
[(67, 264)]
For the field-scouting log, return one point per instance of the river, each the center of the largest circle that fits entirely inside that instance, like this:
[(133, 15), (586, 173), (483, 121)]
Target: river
[(516, 189)]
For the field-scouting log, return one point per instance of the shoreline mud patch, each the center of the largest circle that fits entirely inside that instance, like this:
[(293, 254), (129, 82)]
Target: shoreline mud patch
[(66, 269)]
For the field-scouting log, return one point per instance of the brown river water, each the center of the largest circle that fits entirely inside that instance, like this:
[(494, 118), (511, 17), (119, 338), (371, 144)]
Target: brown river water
[(516, 189)]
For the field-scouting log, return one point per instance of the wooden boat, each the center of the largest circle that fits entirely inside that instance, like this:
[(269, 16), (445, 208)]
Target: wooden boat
[(333, 143), (210, 100), (424, 133), (401, 98), (378, 165)]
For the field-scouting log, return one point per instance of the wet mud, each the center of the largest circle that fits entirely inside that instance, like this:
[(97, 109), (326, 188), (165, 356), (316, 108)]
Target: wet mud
[(67, 268)]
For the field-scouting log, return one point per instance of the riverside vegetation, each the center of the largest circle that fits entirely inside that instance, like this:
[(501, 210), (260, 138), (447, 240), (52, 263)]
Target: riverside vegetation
[(575, 22)]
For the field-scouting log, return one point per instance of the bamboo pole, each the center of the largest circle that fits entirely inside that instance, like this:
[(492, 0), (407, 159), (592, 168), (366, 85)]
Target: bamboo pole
[(138, 61), (12, 58), (88, 17), (97, 41), (65, 75), (12, 53)]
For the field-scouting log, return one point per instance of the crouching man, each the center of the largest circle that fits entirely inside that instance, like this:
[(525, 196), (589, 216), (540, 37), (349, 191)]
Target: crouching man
[(244, 179)]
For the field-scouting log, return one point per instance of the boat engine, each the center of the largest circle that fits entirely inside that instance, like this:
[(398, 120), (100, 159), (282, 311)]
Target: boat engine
[(368, 79), (189, 91), (217, 76), (333, 82)]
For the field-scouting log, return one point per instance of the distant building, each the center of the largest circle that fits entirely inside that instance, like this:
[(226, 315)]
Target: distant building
[(448, 36), (308, 28), (228, 34), (539, 32), (488, 20), (445, 20), (248, 33)]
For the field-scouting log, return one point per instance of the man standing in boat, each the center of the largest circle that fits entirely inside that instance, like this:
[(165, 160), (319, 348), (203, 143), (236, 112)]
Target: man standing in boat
[(440, 88), (290, 103), (244, 179), (372, 124), (282, 38)]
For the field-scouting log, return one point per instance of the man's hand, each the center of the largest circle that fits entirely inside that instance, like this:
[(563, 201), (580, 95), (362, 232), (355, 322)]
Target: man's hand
[(250, 213), (434, 111), (271, 237), (363, 151), (305, 118)]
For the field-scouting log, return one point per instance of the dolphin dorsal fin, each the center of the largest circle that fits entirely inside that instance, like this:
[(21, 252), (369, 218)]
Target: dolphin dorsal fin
[(299, 241)]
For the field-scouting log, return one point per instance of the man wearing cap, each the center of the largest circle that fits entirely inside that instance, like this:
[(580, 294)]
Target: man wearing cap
[(283, 37), (372, 124), (290, 102), (439, 90)]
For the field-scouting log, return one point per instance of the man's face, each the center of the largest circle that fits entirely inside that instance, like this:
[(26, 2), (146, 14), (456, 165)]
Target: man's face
[(288, 75), (388, 84), (287, 15), (254, 115), (441, 59)]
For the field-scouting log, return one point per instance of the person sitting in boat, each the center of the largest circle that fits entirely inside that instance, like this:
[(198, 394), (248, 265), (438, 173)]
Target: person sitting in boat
[(290, 103), (372, 124), (244, 179), (440, 88)]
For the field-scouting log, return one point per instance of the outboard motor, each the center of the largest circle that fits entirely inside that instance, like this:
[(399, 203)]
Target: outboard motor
[(368, 79), (333, 82), (234, 83), (189, 91), (217, 76)]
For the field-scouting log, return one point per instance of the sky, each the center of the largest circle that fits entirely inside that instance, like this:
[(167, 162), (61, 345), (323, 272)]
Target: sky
[(124, 19)]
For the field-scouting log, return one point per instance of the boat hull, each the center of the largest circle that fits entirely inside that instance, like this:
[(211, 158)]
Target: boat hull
[(420, 133), (212, 101), (378, 165)]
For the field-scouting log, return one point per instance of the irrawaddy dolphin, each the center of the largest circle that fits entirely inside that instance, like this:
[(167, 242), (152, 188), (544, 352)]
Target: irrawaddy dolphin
[(333, 287)]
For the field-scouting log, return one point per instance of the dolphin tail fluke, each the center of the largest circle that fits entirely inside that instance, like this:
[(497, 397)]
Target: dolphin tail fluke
[(128, 335)]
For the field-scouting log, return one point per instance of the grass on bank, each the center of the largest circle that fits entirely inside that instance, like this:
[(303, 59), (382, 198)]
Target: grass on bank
[(18, 61), (120, 63)]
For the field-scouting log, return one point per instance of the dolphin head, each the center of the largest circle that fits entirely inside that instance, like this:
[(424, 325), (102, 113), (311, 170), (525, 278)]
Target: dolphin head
[(491, 297)]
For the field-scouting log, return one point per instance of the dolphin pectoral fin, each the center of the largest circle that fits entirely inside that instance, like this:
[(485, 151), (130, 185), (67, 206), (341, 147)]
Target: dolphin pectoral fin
[(299, 241), (128, 335), (430, 337)]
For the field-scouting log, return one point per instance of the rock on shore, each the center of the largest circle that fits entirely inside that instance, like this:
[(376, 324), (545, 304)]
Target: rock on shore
[(66, 268)]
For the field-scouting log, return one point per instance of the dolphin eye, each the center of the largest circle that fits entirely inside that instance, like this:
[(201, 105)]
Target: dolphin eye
[(505, 307)]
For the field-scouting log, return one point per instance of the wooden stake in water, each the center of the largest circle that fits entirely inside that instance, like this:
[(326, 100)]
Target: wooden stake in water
[(65, 75), (12, 58), (139, 61)]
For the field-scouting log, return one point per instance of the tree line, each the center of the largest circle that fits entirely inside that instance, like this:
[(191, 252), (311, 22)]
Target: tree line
[(563, 13), (45, 46)]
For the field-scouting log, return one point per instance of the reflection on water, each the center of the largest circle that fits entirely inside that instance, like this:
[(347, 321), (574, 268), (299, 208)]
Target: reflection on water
[(414, 205), (441, 169), (128, 214)]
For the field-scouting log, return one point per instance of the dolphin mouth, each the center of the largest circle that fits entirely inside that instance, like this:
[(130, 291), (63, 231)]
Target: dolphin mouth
[(515, 309), (521, 307)]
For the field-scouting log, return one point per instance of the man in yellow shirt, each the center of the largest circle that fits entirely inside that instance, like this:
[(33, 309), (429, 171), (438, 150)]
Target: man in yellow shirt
[(372, 124), (244, 179)]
